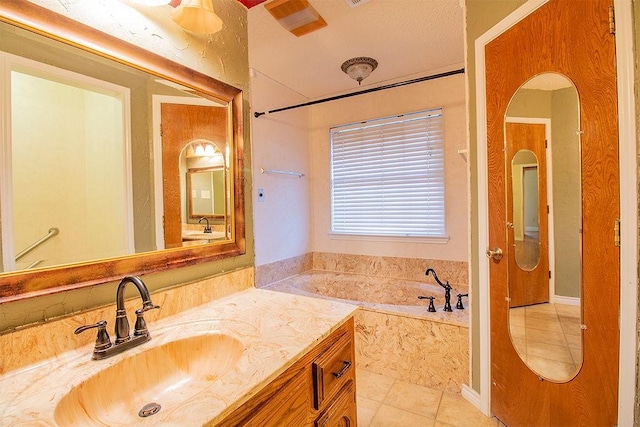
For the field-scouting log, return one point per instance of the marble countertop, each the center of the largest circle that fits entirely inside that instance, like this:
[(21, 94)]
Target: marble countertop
[(274, 328)]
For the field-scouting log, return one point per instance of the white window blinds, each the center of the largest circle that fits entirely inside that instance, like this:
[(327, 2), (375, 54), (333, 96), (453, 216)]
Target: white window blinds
[(387, 176)]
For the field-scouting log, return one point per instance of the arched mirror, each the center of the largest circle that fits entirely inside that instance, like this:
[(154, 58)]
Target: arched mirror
[(542, 148)]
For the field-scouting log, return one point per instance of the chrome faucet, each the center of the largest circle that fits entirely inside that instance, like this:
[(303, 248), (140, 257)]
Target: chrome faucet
[(124, 341), (207, 228), (447, 289)]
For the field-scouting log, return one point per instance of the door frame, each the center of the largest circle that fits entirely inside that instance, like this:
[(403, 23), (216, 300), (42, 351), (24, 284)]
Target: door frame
[(628, 213)]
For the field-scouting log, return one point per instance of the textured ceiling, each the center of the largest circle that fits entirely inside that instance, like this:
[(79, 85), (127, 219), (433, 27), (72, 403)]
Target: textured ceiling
[(408, 38)]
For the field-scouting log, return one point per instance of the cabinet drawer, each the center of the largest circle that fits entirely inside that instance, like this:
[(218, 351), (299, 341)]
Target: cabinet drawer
[(332, 370), (342, 410)]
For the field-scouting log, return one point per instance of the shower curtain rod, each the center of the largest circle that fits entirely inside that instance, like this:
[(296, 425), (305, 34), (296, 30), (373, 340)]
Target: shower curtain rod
[(361, 92)]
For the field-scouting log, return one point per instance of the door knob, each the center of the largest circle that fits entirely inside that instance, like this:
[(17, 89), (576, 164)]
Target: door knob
[(494, 253)]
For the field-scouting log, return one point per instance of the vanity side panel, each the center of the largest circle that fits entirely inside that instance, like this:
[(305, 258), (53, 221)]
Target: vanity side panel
[(288, 400)]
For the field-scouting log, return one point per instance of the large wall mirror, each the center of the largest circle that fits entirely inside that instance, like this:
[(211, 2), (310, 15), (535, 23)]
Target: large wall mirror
[(544, 217), (101, 148)]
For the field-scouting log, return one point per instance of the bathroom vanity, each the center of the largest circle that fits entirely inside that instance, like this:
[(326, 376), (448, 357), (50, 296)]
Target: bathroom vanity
[(255, 357), (318, 389)]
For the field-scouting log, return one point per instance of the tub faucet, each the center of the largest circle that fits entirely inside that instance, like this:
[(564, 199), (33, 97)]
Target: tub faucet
[(103, 347), (207, 228), (446, 286)]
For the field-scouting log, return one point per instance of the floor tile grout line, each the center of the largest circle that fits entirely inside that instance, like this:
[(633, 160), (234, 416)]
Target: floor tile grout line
[(412, 411), (439, 404), (374, 414)]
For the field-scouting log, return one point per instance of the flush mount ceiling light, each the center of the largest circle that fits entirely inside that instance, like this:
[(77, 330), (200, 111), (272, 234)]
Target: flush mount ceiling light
[(359, 68), (197, 16), (296, 16)]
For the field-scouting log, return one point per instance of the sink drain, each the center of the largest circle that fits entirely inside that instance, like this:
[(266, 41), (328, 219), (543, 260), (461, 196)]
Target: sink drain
[(149, 409)]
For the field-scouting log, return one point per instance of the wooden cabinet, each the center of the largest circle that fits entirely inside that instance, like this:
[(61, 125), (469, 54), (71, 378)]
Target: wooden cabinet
[(318, 390), (342, 411)]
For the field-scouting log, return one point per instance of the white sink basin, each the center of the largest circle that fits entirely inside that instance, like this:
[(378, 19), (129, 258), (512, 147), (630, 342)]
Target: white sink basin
[(167, 375)]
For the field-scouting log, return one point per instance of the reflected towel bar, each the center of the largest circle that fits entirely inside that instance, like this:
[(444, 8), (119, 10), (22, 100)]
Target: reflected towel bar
[(34, 264), (53, 231), (298, 174)]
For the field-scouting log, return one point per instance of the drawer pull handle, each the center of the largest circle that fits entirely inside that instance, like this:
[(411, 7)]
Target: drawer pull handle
[(345, 367)]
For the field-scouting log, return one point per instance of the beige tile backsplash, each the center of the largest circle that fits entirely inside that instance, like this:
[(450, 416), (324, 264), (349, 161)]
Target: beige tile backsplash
[(29, 345)]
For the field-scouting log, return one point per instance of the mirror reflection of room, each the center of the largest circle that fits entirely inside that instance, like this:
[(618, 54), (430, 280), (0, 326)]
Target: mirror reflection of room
[(524, 167), (69, 164), (79, 126), (194, 146), (205, 196), (543, 152)]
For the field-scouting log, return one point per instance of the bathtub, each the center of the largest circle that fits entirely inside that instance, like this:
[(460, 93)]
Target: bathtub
[(395, 334)]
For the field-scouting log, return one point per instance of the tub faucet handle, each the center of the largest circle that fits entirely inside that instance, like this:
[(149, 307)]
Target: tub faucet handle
[(459, 305), (432, 308)]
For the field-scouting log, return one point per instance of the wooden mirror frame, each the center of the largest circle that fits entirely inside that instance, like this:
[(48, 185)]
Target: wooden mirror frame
[(20, 284)]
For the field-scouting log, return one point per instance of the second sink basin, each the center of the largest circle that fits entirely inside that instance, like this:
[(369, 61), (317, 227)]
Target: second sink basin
[(166, 375), (198, 235)]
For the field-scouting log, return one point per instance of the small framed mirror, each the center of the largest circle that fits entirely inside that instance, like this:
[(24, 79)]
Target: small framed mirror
[(206, 193)]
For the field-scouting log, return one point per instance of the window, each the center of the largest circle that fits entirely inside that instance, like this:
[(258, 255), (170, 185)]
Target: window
[(387, 176)]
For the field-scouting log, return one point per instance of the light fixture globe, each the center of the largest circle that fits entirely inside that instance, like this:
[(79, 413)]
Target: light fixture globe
[(197, 16), (359, 68)]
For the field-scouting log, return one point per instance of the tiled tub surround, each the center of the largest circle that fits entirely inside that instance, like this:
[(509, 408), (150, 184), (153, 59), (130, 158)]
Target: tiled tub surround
[(395, 334), (456, 272), (271, 339), (269, 273)]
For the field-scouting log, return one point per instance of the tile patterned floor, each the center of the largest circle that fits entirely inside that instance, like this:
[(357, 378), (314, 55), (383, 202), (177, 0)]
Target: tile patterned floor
[(387, 402), (548, 338)]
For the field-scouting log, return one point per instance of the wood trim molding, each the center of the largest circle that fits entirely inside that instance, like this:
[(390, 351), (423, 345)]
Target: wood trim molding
[(627, 391)]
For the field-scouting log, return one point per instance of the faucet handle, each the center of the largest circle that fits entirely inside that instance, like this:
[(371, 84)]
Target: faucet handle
[(103, 341), (146, 306), (140, 327), (432, 308), (459, 305)]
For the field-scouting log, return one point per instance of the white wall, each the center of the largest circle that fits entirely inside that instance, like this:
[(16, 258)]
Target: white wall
[(447, 93), (280, 142), (220, 55), (56, 146)]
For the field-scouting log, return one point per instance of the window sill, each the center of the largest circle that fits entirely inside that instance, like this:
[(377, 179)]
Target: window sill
[(381, 238)]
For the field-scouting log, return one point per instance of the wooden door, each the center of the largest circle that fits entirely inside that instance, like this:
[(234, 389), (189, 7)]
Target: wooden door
[(528, 280), (181, 124), (571, 38)]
